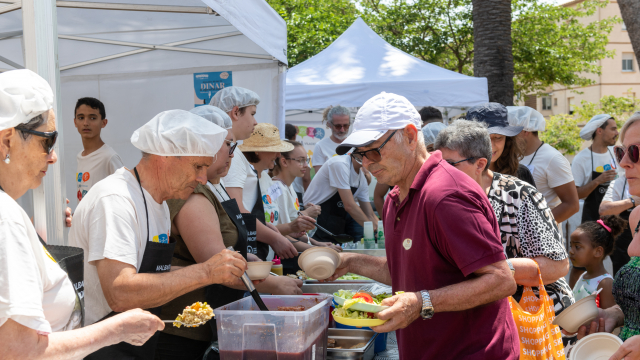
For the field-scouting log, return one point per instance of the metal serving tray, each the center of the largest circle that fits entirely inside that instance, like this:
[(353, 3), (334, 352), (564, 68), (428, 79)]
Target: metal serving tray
[(347, 338), (316, 287)]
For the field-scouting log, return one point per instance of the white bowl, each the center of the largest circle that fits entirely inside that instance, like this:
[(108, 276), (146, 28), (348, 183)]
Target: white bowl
[(583, 312), (319, 262), (258, 270), (598, 346)]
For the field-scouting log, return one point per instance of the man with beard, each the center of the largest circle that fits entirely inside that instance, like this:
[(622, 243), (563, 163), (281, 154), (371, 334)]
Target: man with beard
[(338, 119), (593, 169)]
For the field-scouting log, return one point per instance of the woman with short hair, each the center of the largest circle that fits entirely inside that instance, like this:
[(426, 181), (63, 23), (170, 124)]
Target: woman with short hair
[(40, 311)]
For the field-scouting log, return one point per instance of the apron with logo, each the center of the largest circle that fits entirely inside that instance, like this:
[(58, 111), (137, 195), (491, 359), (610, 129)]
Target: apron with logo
[(260, 211), (591, 208), (156, 259)]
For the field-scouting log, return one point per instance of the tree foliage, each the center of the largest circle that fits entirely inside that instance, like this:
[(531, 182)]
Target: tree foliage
[(618, 107), (550, 44), (562, 132)]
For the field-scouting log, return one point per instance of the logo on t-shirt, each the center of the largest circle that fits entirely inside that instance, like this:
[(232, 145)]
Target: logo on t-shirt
[(266, 199), (297, 205), (407, 244), (83, 177), (162, 239)]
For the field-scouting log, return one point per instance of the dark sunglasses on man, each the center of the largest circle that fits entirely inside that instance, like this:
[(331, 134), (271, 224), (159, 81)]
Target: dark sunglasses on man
[(339, 127), (632, 151), (373, 154), (50, 137)]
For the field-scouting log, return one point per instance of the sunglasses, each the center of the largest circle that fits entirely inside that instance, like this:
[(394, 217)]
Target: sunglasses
[(232, 146), (338, 127), (373, 154), (454, 163), (633, 151), (50, 137)]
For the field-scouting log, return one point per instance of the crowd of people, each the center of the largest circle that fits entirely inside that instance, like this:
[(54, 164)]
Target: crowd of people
[(471, 212)]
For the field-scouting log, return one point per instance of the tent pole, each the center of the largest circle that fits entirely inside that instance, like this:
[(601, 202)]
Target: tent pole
[(40, 43), (14, 6)]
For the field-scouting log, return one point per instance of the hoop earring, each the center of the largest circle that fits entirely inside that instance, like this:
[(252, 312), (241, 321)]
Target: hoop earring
[(7, 159)]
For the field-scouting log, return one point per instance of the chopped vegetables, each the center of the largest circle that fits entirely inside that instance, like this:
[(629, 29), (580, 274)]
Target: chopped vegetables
[(194, 315), (352, 298), (365, 296)]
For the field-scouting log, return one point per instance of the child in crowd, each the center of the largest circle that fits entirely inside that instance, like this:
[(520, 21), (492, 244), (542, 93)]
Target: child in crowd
[(591, 242)]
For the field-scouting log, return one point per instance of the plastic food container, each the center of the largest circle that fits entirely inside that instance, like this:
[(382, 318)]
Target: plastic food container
[(244, 332)]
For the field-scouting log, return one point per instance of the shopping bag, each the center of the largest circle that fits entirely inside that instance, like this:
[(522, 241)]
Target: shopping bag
[(539, 338)]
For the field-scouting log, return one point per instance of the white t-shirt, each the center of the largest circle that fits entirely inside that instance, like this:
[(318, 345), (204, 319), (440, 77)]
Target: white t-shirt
[(242, 175), (581, 167), (95, 167), (34, 291), (336, 173), (298, 186), (271, 196), (550, 169), (288, 203), (110, 223), (614, 192), (324, 150)]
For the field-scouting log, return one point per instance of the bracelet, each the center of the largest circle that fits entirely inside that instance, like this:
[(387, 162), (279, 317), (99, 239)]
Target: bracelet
[(633, 202)]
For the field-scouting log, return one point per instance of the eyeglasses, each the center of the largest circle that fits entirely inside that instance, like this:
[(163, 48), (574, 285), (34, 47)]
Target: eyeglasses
[(232, 146), (338, 127), (301, 160), (633, 151), (454, 163), (373, 154), (50, 137)]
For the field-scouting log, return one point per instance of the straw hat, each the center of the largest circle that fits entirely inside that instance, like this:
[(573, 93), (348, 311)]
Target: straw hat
[(265, 138)]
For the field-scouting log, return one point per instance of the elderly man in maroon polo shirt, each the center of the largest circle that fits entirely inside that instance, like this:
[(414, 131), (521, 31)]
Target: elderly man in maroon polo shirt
[(442, 240)]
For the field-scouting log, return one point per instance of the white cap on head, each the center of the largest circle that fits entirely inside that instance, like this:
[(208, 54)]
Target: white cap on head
[(179, 133), (597, 121), (23, 96), (383, 112), (526, 117), (232, 96), (431, 131), (213, 114)]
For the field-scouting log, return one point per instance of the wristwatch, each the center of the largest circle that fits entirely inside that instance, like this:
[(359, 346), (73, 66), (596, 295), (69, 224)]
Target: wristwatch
[(513, 270), (633, 202), (427, 308)]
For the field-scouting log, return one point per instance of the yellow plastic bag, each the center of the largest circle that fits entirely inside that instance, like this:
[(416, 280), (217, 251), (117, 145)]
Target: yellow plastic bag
[(539, 338)]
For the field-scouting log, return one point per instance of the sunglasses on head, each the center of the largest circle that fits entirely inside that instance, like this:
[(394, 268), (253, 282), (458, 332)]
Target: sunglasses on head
[(632, 151), (50, 137)]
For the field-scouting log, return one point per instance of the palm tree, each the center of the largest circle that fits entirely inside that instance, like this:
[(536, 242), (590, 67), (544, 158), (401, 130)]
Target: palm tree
[(492, 47), (630, 10)]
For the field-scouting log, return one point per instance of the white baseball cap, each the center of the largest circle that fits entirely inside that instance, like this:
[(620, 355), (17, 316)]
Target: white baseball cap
[(381, 113)]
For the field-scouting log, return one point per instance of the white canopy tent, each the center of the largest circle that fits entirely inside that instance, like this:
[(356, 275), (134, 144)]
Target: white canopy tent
[(360, 64), (139, 58)]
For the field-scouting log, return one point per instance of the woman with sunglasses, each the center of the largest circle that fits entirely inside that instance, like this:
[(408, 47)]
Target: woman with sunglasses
[(41, 313), (204, 225), (626, 284)]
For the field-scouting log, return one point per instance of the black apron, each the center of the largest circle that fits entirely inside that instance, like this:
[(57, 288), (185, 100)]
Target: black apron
[(333, 217), (619, 256), (245, 223), (71, 261), (591, 207), (156, 259), (258, 212)]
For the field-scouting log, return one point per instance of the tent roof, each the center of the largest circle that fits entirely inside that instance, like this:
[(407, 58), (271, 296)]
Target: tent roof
[(360, 64), (247, 32)]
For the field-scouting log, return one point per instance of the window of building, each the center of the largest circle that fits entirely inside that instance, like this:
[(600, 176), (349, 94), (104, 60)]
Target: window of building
[(627, 62), (624, 26), (546, 103), (555, 101), (570, 105)]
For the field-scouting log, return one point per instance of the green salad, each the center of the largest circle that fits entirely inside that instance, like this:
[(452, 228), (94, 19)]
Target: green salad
[(352, 298)]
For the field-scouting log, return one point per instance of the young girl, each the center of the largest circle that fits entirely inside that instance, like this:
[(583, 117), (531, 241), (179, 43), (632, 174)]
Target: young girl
[(591, 242)]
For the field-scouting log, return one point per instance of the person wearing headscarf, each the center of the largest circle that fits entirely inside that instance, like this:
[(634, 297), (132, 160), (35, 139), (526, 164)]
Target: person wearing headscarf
[(40, 310), (430, 133), (594, 168), (240, 105), (123, 225), (550, 169)]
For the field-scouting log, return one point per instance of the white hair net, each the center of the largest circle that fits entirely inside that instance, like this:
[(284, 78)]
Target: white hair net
[(431, 131), (232, 96), (179, 133), (527, 117), (213, 114), (23, 96), (587, 131)]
